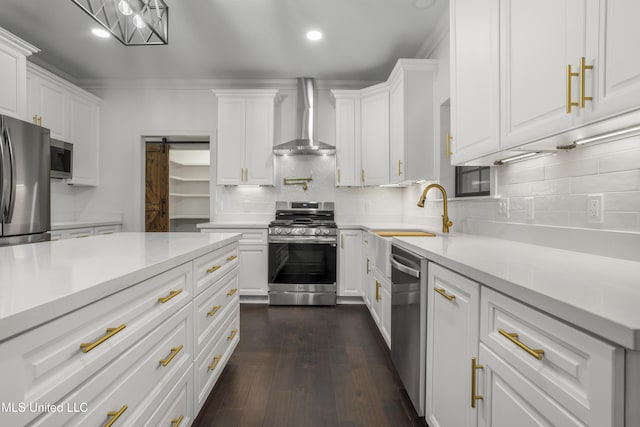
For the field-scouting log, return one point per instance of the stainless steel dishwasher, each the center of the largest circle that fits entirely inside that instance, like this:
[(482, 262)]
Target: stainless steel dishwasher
[(409, 322)]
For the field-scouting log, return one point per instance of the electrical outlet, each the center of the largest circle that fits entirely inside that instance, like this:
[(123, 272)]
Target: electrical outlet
[(503, 208), (595, 208), (528, 208)]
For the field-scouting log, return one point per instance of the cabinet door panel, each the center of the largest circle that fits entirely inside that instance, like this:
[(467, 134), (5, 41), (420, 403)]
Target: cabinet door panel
[(534, 66), (12, 83), (375, 139), (259, 141), (50, 101), (347, 142), (253, 272), (397, 136), (475, 85), (231, 134), (350, 278), (618, 68)]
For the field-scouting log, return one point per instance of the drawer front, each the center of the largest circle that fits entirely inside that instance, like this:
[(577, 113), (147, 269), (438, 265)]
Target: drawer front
[(47, 363), (583, 374), (208, 268), (211, 362), (160, 358), (213, 305), (80, 232), (108, 229)]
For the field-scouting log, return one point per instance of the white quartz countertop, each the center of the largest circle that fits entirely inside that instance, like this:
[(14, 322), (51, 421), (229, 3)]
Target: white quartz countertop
[(42, 281), (384, 226), (234, 225), (598, 294), (64, 225)]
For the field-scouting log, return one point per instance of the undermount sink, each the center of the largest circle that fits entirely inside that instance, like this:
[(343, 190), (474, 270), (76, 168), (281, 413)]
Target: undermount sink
[(404, 234)]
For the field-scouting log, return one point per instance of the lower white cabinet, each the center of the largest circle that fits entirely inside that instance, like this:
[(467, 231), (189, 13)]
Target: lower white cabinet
[(71, 233), (349, 261), (452, 341), (381, 304), (368, 255)]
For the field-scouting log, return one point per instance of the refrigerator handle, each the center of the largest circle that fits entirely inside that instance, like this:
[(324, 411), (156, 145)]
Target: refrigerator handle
[(12, 161), (2, 179)]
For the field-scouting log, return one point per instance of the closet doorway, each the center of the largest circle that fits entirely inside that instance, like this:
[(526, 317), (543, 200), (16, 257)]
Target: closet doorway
[(177, 194)]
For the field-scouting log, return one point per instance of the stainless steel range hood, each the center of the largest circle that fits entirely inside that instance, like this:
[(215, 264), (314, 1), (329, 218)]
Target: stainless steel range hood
[(306, 142)]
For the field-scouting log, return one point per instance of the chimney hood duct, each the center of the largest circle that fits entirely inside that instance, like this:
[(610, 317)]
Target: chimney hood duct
[(306, 142)]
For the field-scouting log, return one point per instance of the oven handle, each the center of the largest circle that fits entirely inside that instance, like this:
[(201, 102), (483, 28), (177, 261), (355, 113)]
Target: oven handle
[(403, 268), (302, 239)]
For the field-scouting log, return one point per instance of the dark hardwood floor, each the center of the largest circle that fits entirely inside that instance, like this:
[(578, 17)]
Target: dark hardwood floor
[(308, 366)]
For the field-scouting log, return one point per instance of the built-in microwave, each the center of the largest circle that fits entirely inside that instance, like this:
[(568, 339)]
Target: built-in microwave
[(61, 159)]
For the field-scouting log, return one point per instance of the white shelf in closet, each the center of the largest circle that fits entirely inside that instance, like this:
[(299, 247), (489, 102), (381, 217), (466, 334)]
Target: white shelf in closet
[(187, 216), (190, 163)]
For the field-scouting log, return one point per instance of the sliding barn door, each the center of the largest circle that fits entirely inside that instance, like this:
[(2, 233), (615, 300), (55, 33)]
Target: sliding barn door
[(157, 187)]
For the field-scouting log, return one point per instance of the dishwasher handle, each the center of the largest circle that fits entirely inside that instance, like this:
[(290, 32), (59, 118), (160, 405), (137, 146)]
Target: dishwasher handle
[(403, 268)]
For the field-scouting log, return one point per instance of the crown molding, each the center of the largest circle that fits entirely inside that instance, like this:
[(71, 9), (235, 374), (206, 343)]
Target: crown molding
[(24, 47), (440, 32)]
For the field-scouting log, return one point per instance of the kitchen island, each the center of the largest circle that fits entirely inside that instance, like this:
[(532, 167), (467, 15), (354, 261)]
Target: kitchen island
[(136, 326)]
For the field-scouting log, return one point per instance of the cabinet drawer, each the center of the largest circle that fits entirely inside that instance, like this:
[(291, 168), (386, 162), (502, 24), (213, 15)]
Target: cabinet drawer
[(257, 236), (210, 267), (47, 363), (211, 362), (80, 232), (213, 305), (133, 379), (583, 374), (107, 229)]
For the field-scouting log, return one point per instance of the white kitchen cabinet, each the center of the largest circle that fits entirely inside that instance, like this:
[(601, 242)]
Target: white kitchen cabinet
[(452, 341), (246, 120), (374, 107), (73, 115), (533, 65), (77, 232), (475, 78), (13, 74), (381, 304), (349, 261), (412, 138), (617, 71), (348, 145), (368, 256)]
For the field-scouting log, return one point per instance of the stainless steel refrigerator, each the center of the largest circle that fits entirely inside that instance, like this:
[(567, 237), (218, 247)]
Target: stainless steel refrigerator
[(25, 200)]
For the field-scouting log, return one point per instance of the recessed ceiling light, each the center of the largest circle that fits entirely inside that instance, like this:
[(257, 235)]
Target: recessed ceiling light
[(423, 4), (314, 35), (99, 32)]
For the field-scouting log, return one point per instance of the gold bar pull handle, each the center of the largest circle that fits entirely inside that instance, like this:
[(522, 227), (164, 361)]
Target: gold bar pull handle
[(241, 174), (474, 396), (231, 258), (174, 351), (246, 175), (232, 335), (362, 172), (87, 347), (338, 175), (39, 120), (399, 165), (342, 241), (35, 119), (445, 294), (214, 268), (448, 147), (216, 360), (232, 292), (368, 266), (114, 415), (570, 104), (176, 422), (214, 310), (172, 294), (378, 290), (513, 337), (583, 68)]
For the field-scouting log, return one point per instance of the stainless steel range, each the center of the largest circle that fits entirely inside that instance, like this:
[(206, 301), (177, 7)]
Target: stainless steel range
[(303, 254)]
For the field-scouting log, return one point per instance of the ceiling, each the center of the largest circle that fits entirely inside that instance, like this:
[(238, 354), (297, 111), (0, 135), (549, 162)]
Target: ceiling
[(234, 39)]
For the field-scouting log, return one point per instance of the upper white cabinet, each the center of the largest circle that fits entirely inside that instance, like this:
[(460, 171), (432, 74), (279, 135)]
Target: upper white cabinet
[(348, 160), (72, 115), (411, 121), (13, 74), (245, 136), (374, 107), (475, 78), (538, 94)]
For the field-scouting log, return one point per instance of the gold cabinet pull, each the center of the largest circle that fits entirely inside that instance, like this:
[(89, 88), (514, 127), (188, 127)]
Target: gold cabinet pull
[(114, 415), (513, 337), (342, 241), (177, 421), (378, 290), (399, 164), (570, 74), (39, 120), (583, 68), (174, 351), (363, 176), (338, 175), (232, 257), (216, 360), (474, 396), (444, 294), (241, 174), (368, 267), (214, 310), (232, 335), (448, 147), (35, 119), (214, 268), (87, 347), (172, 294), (232, 292)]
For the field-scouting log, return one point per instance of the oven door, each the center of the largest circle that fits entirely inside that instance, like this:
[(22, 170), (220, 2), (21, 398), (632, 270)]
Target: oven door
[(302, 272)]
